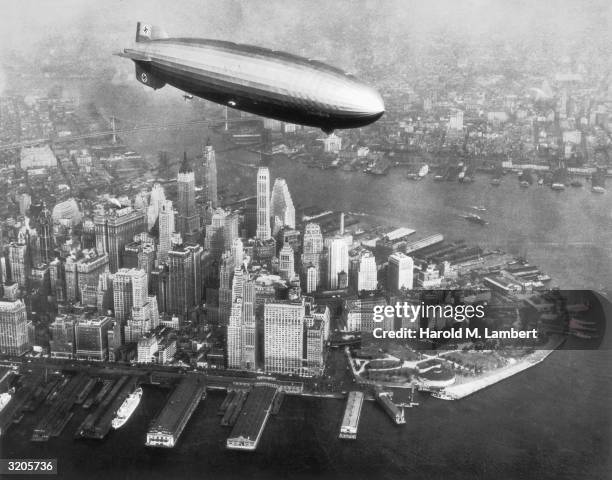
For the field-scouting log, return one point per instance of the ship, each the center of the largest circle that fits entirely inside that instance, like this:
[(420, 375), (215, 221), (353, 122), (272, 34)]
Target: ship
[(127, 408), (5, 398), (424, 170), (496, 182), (479, 208), (441, 394), (558, 186), (472, 217), (598, 189)]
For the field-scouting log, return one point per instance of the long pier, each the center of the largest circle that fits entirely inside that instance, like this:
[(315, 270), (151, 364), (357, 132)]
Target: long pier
[(167, 427), (252, 419), (352, 412)]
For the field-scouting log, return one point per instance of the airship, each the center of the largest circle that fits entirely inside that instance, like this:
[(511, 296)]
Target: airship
[(257, 80)]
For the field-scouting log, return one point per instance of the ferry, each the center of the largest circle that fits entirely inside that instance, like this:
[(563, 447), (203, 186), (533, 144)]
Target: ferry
[(5, 398), (127, 408), (441, 394)]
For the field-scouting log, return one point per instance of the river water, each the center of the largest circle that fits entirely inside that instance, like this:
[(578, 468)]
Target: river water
[(551, 421)]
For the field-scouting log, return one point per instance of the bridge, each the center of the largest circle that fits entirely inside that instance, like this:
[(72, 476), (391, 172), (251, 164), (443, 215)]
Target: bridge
[(211, 123)]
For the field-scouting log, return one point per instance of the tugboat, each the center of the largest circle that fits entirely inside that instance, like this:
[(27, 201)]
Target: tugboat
[(472, 217)]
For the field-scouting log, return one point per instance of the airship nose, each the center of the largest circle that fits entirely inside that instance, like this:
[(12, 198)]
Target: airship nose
[(371, 102)]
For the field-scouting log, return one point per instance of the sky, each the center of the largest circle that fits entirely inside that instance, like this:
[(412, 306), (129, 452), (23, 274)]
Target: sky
[(333, 31)]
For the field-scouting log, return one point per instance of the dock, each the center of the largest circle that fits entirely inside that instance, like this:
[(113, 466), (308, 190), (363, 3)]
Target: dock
[(352, 412), (97, 424), (252, 419), (233, 408), (167, 427), (58, 416)]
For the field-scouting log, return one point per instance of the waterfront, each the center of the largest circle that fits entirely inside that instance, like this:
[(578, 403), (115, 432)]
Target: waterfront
[(555, 420)]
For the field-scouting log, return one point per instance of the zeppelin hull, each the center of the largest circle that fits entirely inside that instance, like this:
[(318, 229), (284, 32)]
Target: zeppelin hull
[(259, 81)]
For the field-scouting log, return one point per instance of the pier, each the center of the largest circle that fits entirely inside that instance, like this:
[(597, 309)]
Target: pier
[(167, 427), (252, 419), (97, 424), (352, 413)]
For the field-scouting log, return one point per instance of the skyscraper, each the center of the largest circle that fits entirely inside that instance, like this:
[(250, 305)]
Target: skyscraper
[(188, 218), (89, 268), (221, 232), (19, 261), (45, 222), (312, 278), (400, 272), (184, 278), (209, 182), (366, 275), (286, 261), (338, 260), (114, 229), (166, 230), (157, 197), (226, 275), (263, 204), (92, 338), (14, 328), (130, 289), (312, 245), (241, 330), (283, 337), (282, 209)]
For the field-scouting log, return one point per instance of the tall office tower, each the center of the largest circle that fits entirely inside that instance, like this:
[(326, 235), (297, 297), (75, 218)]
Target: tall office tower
[(130, 290), (146, 257), (157, 198), (61, 337), (166, 229), (56, 278), (312, 245), (282, 205), (19, 261), (263, 204), (315, 342), (400, 272), (283, 337), (226, 275), (89, 268), (45, 222), (188, 219), (241, 330), (221, 232), (4, 277), (238, 252), (184, 278), (367, 273), (92, 338), (338, 260), (116, 228), (14, 328), (209, 182), (286, 261), (105, 300), (71, 276), (312, 278)]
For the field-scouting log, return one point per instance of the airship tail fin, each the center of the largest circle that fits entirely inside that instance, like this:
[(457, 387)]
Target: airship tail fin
[(146, 32)]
